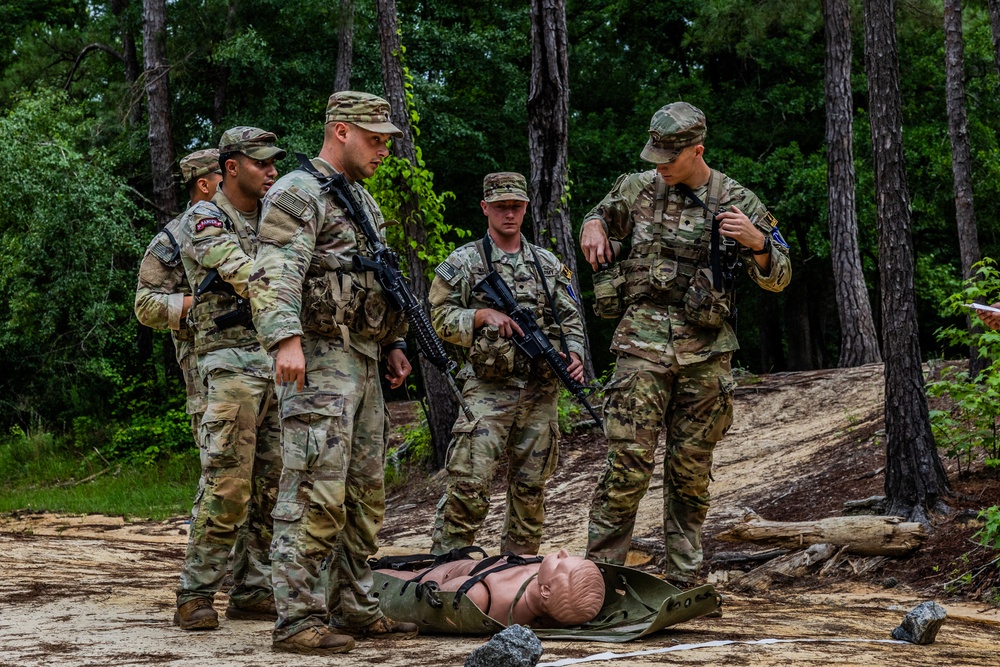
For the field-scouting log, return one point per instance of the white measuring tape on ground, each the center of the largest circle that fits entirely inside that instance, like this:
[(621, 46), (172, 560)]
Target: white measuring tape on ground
[(722, 642)]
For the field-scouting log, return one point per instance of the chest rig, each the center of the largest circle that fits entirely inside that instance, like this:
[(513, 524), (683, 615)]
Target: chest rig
[(662, 269)]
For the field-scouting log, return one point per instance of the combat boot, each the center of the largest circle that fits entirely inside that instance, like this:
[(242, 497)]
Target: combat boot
[(314, 640), (197, 614), (261, 610), (381, 628)]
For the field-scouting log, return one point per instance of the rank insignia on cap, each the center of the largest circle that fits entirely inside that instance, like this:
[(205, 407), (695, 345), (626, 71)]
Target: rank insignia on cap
[(208, 222)]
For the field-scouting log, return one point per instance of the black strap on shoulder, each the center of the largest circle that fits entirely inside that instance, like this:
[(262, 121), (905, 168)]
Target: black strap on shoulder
[(484, 570), (173, 244), (486, 250), (715, 253)]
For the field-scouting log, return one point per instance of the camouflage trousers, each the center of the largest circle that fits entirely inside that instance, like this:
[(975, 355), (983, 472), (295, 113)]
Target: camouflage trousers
[(694, 404), (194, 387), (521, 421), (331, 497), (237, 491)]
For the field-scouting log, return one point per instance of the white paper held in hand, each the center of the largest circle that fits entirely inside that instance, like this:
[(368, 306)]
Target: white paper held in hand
[(979, 306)]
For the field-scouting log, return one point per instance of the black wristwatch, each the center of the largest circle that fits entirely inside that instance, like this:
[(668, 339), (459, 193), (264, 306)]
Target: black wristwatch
[(766, 250)]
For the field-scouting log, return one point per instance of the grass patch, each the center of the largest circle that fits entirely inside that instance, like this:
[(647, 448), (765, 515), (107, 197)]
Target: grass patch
[(38, 472)]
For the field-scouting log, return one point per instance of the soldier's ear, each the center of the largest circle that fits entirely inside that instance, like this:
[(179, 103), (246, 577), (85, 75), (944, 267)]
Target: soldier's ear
[(483, 205)]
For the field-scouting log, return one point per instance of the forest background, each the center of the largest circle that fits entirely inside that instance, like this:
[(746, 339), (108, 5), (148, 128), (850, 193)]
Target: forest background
[(78, 206)]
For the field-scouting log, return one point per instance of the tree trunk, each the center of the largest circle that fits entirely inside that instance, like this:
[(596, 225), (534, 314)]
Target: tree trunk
[(961, 156), (161, 145), (858, 339), (440, 405), (345, 47), (861, 535), (221, 76), (131, 58), (915, 480), (994, 6), (548, 129)]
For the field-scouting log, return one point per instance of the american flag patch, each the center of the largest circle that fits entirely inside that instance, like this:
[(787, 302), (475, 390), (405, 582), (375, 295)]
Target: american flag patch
[(447, 272), (291, 203)]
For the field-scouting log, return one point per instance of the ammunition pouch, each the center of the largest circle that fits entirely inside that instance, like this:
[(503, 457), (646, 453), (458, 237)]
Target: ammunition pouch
[(494, 357), (608, 286), (703, 305), (337, 302)]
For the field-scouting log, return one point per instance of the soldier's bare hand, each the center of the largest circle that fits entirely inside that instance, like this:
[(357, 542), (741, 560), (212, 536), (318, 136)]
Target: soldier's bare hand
[(504, 324), (735, 224), (575, 366), (594, 243), (399, 367), (992, 320), (290, 363)]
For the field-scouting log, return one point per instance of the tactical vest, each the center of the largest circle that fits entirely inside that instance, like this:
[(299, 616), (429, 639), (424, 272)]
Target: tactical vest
[(662, 270), (210, 305), (338, 301), (495, 358)]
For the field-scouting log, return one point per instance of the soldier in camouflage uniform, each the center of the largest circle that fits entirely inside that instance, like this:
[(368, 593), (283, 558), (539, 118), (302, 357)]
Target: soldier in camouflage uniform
[(673, 344), (239, 430), (329, 326), (514, 399), (163, 295)]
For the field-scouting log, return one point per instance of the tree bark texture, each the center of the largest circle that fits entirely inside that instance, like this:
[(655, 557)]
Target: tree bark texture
[(345, 47), (915, 480), (161, 145), (861, 535), (858, 338), (793, 565), (994, 7), (961, 156), (548, 131), (130, 56), (440, 405), (221, 74)]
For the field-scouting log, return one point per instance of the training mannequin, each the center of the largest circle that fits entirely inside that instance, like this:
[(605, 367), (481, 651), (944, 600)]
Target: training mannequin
[(556, 591)]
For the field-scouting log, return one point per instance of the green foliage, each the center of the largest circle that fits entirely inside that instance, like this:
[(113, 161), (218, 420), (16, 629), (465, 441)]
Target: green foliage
[(416, 452), (989, 534), (970, 427)]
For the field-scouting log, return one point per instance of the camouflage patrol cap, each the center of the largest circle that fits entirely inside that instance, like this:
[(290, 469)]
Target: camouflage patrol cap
[(251, 141), (672, 129), (503, 186), (198, 164), (368, 112)]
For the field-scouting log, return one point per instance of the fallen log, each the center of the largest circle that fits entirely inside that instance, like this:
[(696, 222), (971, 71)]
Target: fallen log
[(860, 535), (790, 566)]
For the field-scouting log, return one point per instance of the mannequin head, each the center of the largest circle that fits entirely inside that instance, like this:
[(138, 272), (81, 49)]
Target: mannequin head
[(570, 588)]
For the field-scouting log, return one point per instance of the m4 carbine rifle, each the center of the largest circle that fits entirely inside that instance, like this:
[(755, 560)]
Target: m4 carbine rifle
[(384, 263), (240, 316), (534, 342)]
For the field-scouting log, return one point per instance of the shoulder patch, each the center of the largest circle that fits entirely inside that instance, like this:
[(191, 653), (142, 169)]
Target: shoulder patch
[(165, 249), (208, 222), (448, 273), (770, 220), (291, 203), (776, 237), (566, 273)]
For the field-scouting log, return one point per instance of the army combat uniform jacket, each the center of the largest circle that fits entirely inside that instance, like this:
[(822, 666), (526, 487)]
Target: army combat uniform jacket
[(658, 330), (514, 400)]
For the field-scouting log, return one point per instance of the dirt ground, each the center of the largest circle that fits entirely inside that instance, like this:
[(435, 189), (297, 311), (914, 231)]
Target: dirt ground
[(93, 590)]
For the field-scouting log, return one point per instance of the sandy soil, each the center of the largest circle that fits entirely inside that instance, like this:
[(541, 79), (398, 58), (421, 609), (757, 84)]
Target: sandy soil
[(94, 590)]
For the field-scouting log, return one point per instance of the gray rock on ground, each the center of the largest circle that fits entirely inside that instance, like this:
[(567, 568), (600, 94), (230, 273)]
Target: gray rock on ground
[(517, 646), (921, 625)]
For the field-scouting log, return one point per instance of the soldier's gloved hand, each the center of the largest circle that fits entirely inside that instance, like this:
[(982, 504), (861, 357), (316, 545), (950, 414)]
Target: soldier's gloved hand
[(594, 243), (399, 368), (290, 363), (488, 316)]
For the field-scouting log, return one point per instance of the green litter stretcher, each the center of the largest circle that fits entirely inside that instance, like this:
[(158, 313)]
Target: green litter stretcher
[(636, 604)]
